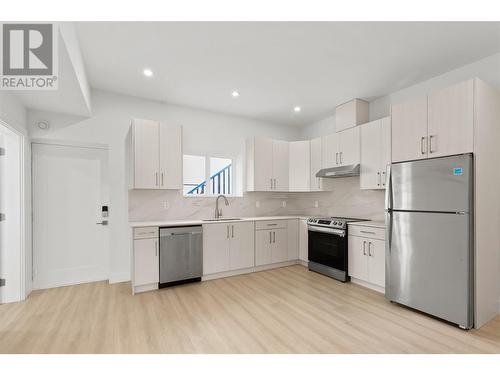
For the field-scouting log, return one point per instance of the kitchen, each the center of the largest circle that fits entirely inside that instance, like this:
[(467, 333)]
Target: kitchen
[(365, 225)]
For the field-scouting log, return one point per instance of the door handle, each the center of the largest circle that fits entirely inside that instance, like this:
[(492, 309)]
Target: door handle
[(430, 144), (369, 249), (422, 145), (104, 222), (364, 247)]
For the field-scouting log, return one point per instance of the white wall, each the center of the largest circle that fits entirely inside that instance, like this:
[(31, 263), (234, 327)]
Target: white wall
[(13, 113), (203, 132)]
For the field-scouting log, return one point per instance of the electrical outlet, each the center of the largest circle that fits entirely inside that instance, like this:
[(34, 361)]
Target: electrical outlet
[(316, 204), (283, 204), (257, 204), (166, 205)]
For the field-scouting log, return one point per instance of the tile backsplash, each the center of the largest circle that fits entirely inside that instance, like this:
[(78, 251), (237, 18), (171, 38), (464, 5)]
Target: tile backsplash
[(345, 200)]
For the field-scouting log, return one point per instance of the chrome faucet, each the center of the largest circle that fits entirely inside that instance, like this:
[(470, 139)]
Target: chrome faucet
[(218, 213)]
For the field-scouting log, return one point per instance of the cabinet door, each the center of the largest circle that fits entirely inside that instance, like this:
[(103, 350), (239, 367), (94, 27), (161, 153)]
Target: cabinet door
[(451, 120), (170, 156), (279, 252), (409, 130), (280, 165), (329, 151), (316, 164), (146, 154), (215, 248), (263, 241), (263, 164), (292, 229), (303, 240), (385, 148), (357, 260), (349, 146), (242, 248), (376, 262), (370, 173), (299, 166), (146, 261)]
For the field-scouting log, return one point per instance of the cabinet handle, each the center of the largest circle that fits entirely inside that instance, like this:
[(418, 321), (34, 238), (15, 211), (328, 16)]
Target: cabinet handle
[(271, 180), (232, 231), (422, 145), (341, 157), (379, 179), (367, 232), (156, 179), (369, 249), (274, 184), (385, 179), (319, 183), (274, 237), (364, 247), (156, 248), (227, 231), (270, 237), (337, 158), (430, 144), (161, 178)]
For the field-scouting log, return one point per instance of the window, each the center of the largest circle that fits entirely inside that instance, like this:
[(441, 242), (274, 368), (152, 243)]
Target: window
[(205, 175)]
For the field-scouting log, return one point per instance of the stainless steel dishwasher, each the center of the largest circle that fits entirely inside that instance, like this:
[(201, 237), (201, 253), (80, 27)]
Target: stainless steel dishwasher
[(181, 255)]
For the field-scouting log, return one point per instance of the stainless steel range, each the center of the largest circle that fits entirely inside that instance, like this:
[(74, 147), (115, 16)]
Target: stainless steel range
[(328, 246)]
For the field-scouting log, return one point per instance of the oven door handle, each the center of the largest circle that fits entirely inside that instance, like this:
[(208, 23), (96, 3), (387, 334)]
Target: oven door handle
[(338, 232)]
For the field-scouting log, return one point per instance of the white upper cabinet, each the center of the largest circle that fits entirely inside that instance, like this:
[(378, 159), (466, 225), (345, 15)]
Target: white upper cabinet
[(350, 114), (349, 146), (329, 150), (300, 166), (316, 164), (267, 164), (154, 155), (375, 153), (451, 119), (409, 130)]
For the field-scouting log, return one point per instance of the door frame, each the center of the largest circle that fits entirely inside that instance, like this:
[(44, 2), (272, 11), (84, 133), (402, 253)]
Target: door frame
[(23, 291), (64, 143)]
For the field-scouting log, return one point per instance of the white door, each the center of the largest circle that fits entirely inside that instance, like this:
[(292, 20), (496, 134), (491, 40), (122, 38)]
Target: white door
[(279, 252), (299, 167), (170, 156), (263, 241), (409, 130), (349, 146), (330, 151), (280, 165), (11, 275), (216, 248), (316, 164), (370, 155), (69, 189), (242, 253), (376, 262), (451, 118), (263, 164), (146, 154), (146, 270), (357, 254)]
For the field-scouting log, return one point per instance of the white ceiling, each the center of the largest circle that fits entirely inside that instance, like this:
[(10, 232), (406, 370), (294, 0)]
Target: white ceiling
[(276, 66)]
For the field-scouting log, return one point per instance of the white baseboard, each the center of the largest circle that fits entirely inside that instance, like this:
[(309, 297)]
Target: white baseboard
[(119, 278), (368, 285), (249, 270)]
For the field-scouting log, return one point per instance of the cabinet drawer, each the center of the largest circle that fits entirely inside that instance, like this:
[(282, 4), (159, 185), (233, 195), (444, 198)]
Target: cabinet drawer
[(365, 231), (270, 224), (145, 232)]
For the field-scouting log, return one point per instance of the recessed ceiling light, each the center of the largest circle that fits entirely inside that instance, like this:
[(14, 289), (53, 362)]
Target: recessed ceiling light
[(148, 72), (297, 109), (235, 94)]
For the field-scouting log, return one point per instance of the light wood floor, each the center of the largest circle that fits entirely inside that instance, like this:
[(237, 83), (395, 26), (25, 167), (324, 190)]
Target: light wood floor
[(286, 310)]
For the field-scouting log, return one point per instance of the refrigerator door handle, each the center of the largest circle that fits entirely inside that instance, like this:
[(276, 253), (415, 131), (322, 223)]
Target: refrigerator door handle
[(388, 190), (388, 231)]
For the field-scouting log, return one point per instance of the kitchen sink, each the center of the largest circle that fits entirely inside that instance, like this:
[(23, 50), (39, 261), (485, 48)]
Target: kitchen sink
[(224, 219)]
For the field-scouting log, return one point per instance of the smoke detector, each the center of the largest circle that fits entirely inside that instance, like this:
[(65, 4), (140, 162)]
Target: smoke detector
[(42, 124)]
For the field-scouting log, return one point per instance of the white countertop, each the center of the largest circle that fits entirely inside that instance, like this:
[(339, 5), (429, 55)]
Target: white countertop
[(175, 223), (371, 223)]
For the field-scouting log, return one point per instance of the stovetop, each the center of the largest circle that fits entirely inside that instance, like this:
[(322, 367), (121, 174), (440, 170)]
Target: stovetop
[(332, 222)]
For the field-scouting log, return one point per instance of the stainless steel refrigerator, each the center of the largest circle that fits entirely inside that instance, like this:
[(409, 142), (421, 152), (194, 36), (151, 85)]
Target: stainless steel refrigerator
[(429, 241)]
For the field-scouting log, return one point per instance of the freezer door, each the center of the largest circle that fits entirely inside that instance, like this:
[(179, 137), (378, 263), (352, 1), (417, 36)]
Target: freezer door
[(429, 264), (439, 184)]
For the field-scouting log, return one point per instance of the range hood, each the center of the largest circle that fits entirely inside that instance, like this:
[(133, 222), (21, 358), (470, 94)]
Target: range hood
[(337, 172)]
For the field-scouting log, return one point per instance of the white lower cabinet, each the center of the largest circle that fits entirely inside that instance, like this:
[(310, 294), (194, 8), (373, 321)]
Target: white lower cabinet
[(227, 247), (145, 259), (293, 239), (271, 243), (303, 240), (366, 257)]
